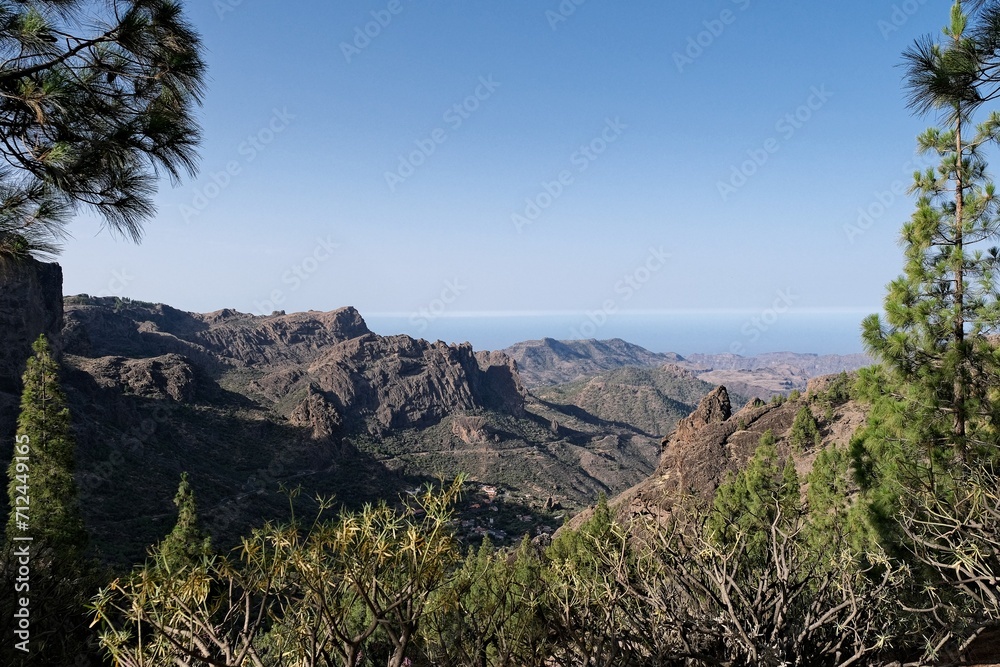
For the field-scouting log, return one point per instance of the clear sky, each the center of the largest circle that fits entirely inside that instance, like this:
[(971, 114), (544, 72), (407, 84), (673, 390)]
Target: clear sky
[(533, 156)]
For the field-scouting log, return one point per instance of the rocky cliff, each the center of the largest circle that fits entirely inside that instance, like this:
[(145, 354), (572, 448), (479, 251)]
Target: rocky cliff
[(324, 369), (30, 304)]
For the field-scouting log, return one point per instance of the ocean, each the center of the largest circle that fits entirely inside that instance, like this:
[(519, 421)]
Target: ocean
[(744, 333)]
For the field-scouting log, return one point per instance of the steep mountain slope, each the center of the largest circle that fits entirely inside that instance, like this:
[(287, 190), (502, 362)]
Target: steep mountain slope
[(247, 403), (651, 399)]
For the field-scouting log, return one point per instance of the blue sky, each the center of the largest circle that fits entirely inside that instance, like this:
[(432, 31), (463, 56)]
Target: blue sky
[(534, 156)]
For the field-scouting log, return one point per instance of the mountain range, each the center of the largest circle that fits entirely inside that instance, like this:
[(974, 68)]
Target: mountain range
[(547, 362), (248, 405)]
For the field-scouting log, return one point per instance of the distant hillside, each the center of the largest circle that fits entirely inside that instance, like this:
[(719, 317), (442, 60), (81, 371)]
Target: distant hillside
[(815, 364), (766, 375), (247, 403), (651, 399), (550, 362)]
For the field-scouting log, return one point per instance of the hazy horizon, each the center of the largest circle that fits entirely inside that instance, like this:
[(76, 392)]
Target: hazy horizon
[(533, 157)]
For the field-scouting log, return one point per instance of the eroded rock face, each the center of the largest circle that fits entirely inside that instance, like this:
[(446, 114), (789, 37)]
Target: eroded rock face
[(326, 371), (398, 382), (170, 377), (713, 409), (316, 412), (470, 430), (30, 304)]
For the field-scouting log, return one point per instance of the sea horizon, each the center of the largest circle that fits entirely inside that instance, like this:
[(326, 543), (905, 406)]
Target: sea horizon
[(746, 333)]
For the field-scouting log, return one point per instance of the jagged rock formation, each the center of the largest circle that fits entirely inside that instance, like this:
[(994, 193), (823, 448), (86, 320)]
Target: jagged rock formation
[(713, 409), (326, 370), (713, 442), (30, 304)]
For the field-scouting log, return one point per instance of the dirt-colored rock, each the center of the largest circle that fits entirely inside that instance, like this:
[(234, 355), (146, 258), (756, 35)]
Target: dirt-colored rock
[(316, 412)]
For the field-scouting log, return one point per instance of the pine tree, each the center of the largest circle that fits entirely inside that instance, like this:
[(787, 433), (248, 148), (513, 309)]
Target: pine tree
[(187, 543), (748, 503), (61, 579), (54, 520), (931, 394), (805, 431), (96, 100)]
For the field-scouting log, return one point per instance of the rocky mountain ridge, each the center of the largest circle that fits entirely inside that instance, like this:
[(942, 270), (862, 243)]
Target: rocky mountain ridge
[(548, 362), (327, 366)]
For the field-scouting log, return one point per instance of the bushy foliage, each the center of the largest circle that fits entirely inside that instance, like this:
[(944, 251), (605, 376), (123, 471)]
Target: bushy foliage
[(749, 503), (741, 582), (805, 431)]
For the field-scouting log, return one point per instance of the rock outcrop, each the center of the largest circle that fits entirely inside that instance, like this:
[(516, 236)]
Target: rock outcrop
[(30, 304), (713, 442), (713, 409), (317, 413), (170, 377)]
